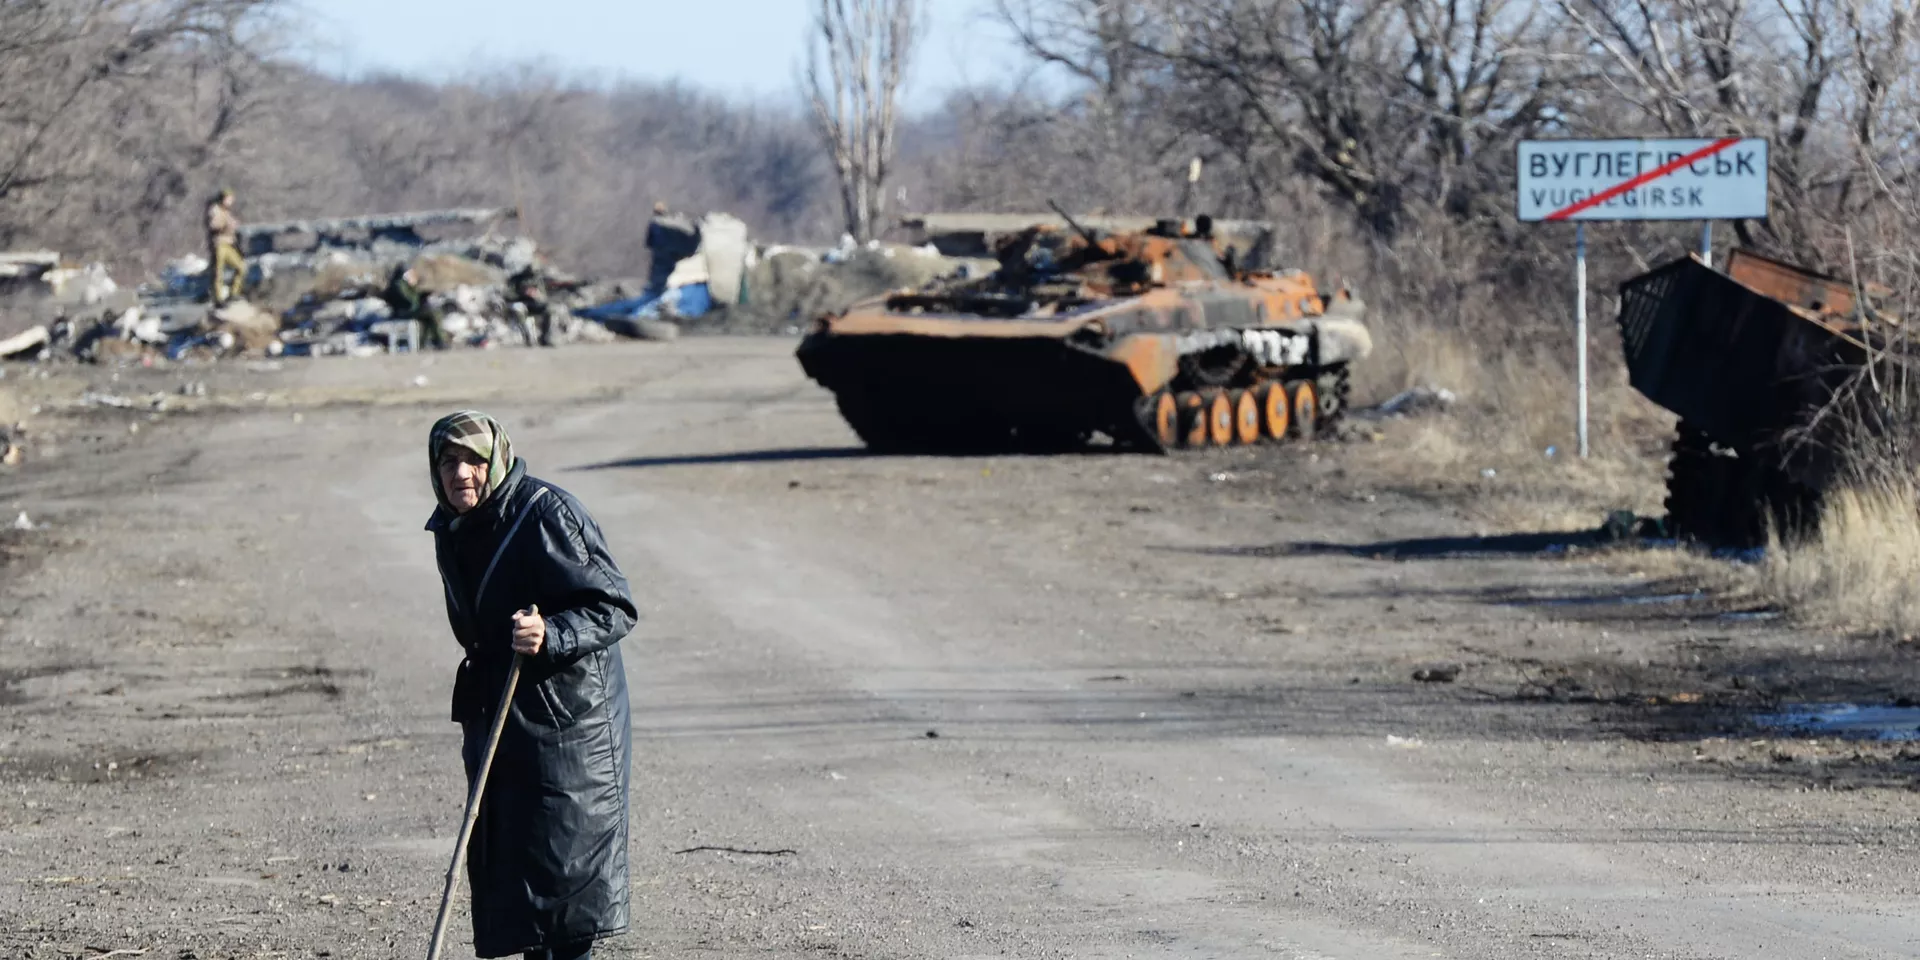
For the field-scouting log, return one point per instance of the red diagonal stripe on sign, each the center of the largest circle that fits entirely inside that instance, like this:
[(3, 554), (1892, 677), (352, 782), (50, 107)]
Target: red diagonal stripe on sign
[(1645, 178)]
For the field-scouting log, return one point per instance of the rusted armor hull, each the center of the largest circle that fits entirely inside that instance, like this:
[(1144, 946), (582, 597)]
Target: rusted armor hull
[(1148, 341), (933, 382), (906, 392)]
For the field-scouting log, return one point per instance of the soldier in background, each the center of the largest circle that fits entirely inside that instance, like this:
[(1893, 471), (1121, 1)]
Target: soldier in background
[(409, 302), (528, 290), (223, 248)]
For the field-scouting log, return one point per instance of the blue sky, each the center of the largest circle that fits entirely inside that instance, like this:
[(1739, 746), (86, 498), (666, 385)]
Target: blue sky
[(744, 48)]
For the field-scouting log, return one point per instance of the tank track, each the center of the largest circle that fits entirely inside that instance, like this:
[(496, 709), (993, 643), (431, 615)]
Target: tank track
[(932, 431), (1336, 389), (1210, 416), (1724, 497)]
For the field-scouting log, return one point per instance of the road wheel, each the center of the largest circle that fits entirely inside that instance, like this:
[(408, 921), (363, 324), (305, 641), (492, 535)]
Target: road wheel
[(1165, 421), (1246, 417), (1306, 410), (1193, 419), (1275, 414), (1219, 418), (1334, 389)]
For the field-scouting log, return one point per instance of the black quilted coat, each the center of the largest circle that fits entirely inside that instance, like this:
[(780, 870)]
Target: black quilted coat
[(548, 860)]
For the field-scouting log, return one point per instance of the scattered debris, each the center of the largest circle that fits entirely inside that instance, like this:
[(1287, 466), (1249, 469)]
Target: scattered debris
[(314, 288), (403, 282), (1416, 400), (32, 339), (1623, 525), (20, 267), (696, 267)]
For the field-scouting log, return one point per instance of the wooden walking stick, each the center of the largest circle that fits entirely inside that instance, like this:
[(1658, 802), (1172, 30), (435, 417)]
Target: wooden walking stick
[(473, 806)]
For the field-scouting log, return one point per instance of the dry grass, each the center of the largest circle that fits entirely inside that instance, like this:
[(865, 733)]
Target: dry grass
[(1861, 571), (1512, 409)]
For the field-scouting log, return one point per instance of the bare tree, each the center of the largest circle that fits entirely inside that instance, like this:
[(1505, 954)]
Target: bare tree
[(1122, 141), (1384, 102), (1829, 82), (867, 46), (85, 85)]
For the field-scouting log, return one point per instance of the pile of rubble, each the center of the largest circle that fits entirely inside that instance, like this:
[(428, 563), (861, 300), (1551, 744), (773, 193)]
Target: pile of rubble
[(352, 287), (446, 278)]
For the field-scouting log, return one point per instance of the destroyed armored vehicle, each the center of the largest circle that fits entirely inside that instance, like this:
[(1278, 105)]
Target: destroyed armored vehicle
[(1756, 362), (1148, 340)]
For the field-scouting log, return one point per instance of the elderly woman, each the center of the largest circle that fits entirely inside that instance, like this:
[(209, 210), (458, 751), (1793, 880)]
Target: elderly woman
[(527, 572)]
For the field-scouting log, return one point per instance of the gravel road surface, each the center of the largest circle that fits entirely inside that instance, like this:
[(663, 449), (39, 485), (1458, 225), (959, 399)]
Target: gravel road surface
[(1075, 706)]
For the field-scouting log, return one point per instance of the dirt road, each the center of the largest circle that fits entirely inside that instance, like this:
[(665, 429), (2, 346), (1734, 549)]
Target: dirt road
[(1082, 706)]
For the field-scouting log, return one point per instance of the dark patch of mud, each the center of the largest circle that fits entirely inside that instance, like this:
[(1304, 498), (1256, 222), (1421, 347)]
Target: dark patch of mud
[(323, 688), (306, 679), (307, 671)]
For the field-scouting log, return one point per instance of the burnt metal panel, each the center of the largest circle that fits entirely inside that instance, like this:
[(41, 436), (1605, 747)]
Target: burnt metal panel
[(1738, 364), (1202, 255)]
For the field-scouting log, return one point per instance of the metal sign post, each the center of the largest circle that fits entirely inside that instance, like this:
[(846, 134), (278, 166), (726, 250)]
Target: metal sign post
[(1580, 323), (1685, 179)]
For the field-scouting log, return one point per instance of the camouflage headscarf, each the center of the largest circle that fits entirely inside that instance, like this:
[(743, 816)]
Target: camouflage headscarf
[(473, 431)]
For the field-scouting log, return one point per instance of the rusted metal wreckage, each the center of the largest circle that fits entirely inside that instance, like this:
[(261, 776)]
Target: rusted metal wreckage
[(1148, 340), (1757, 362)]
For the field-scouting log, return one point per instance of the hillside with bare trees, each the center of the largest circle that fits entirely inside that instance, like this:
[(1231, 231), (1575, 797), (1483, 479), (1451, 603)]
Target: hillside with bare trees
[(1381, 132), (1378, 135)]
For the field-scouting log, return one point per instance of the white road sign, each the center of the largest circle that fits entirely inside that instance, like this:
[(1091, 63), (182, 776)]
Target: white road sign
[(1721, 179)]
